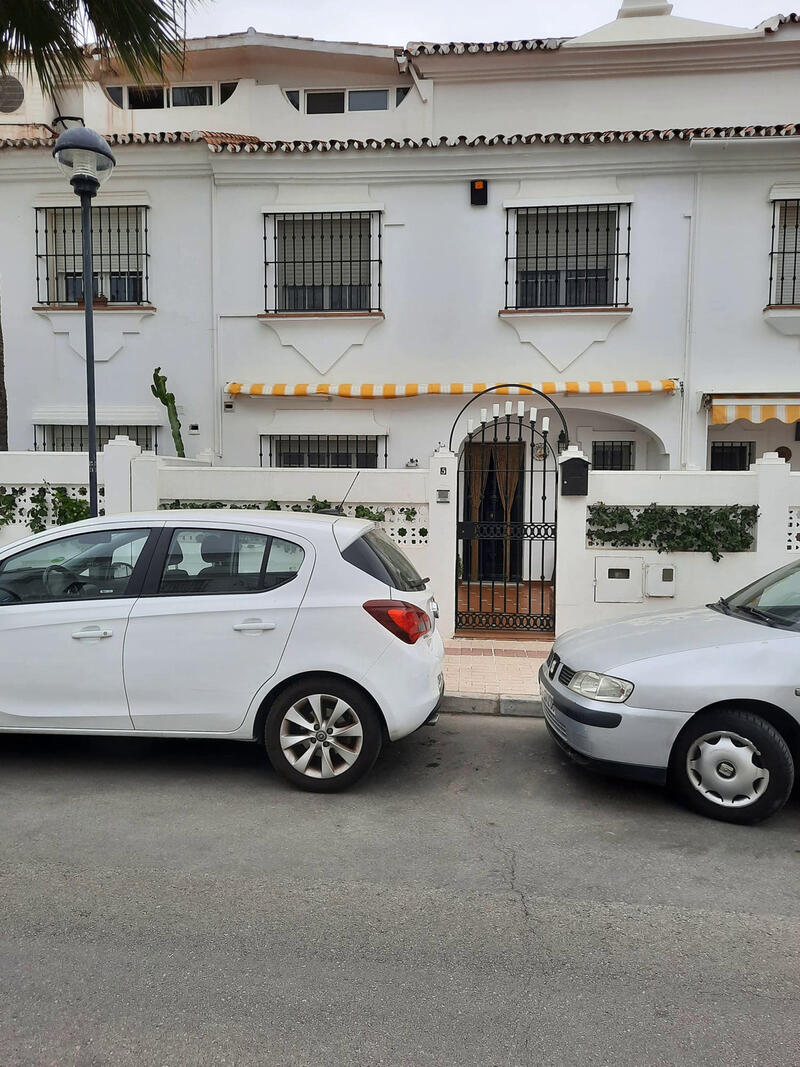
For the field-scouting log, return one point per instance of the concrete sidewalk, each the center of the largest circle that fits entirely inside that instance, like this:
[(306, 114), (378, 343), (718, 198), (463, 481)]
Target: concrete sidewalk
[(494, 677)]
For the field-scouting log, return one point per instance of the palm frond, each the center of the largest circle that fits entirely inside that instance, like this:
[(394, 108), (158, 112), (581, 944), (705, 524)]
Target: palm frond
[(56, 38)]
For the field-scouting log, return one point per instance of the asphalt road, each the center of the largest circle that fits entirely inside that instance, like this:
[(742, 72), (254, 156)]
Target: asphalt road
[(477, 901)]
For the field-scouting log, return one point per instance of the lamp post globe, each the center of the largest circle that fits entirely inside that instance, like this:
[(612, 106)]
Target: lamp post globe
[(84, 157)]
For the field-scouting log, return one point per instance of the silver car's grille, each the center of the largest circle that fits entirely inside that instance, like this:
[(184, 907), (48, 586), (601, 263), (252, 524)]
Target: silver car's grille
[(566, 675)]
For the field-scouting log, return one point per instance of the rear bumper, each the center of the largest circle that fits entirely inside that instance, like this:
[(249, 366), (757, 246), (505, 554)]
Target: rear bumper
[(408, 684)]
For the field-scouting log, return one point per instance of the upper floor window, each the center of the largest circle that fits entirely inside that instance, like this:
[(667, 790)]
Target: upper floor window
[(322, 261), (784, 256), (119, 255), (338, 101), (564, 257)]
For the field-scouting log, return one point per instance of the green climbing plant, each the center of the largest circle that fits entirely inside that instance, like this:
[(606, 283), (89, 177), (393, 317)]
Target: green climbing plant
[(160, 392), (671, 529)]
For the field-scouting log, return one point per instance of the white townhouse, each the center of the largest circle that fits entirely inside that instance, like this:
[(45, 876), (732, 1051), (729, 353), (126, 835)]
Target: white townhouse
[(330, 248)]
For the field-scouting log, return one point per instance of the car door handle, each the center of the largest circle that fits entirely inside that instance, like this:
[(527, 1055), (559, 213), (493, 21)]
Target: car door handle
[(92, 632), (253, 626)]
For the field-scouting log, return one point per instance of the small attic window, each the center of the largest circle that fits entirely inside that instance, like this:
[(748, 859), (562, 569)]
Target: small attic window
[(400, 95), (143, 97), (330, 103), (293, 96), (114, 93), (226, 90), (368, 100)]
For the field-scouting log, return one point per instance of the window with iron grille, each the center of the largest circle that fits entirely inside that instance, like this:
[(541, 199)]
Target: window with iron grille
[(323, 450), (784, 256), (612, 455), (74, 438), (322, 261), (577, 256), (732, 455), (119, 255)]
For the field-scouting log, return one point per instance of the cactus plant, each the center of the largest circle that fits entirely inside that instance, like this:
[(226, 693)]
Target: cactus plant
[(159, 391)]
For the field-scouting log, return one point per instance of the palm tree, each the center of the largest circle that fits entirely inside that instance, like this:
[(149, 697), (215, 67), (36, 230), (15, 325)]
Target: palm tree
[(56, 39)]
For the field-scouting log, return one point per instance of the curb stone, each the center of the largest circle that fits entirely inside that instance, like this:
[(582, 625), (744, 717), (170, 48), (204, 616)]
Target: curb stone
[(491, 704)]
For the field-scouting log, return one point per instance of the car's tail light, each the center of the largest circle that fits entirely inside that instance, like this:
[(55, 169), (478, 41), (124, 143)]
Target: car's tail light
[(404, 620)]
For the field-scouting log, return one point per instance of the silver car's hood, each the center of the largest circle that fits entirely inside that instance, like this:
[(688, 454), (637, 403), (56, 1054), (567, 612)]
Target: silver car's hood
[(611, 645)]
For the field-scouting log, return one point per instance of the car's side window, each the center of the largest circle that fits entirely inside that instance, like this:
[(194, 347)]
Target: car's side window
[(93, 565), (227, 561)]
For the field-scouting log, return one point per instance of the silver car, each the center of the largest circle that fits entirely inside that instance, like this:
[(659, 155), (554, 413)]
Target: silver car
[(706, 701)]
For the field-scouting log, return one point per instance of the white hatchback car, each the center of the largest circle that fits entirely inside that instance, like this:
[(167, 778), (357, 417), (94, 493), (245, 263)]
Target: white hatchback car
[(311, 633), (706, 700)]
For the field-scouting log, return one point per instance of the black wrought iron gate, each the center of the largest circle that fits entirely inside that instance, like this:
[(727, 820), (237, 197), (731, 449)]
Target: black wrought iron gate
[(507, 508)]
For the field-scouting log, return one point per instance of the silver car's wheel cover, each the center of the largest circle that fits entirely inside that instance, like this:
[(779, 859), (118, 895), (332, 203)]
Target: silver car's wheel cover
[(321, 736), (724, 768)]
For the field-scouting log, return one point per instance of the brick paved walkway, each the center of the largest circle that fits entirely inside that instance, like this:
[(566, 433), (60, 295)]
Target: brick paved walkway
[(476, 666)]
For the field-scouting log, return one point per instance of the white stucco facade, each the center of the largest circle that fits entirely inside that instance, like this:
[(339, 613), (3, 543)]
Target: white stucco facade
[(701, 217)]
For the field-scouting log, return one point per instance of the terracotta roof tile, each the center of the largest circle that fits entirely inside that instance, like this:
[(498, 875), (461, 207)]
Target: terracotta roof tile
[(236, 142)]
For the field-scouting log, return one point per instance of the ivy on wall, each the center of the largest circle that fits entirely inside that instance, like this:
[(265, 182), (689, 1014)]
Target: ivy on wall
[(49, 505), (671, 529)]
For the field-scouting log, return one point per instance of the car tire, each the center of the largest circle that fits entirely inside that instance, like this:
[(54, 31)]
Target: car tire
[(323, 734), (732, 765)]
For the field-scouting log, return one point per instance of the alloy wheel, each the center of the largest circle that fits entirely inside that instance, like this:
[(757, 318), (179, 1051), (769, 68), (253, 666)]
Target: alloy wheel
[(726, 769), (321, 736)]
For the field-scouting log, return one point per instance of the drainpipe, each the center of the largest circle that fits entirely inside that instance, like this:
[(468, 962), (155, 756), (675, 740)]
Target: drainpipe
[(687, 393), (215, 361)]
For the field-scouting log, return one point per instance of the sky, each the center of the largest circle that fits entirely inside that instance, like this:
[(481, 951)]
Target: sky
[(392, 22)]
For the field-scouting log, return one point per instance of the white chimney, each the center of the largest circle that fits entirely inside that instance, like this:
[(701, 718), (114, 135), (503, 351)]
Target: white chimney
[(635, 8)]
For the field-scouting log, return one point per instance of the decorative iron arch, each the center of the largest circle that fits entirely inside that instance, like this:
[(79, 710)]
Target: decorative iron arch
[(510, 385)]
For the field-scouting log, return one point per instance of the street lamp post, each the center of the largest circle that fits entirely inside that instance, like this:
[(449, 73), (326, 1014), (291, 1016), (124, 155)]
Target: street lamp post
[(85, 158)]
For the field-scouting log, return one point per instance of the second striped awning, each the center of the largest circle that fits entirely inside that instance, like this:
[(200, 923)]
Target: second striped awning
[(389, 391), (727, 409)]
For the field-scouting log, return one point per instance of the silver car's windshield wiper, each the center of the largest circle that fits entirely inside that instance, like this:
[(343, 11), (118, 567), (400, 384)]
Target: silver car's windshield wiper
[(762, 616), (723, 605)]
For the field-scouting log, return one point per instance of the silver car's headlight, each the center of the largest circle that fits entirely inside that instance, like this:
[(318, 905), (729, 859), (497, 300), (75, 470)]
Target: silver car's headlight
[(600, 686)]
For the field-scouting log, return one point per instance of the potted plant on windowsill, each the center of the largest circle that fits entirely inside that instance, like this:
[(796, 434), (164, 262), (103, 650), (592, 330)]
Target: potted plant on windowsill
[(99, 301)]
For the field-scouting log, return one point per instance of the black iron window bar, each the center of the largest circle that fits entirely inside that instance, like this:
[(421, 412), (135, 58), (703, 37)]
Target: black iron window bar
[(612, 455), (576, 256), (784, 253), (513, 603), (323, 450), (732, 455), (322, 261), (119, 255), (75, 438)]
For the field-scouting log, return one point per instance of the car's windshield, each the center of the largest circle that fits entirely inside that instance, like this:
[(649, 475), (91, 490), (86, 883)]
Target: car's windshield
[(774, 599)]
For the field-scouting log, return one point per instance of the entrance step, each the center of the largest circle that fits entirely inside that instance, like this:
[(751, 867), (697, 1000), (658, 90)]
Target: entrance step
[(491, 667)]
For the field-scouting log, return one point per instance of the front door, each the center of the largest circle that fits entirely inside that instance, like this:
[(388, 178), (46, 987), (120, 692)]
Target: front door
[(211, 628), (64, 607), (508, 476)]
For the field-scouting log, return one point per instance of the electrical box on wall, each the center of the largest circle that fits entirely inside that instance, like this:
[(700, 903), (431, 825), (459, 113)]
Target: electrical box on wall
[(618, 579), (659, 579), (479, 192)]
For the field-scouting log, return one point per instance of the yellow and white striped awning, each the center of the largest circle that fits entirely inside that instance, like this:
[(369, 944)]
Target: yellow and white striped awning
[(390, 391), (727, 409)]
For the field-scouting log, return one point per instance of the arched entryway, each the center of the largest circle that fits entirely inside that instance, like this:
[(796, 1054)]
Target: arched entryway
[(507, 511)]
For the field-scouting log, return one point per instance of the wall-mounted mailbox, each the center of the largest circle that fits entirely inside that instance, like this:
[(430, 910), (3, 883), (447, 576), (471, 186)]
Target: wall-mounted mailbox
[(618, 579), (442, 496), (575, 477), (659, 579)]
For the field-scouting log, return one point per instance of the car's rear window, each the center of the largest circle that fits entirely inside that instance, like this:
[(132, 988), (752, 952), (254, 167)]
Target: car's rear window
[(375, 554)]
